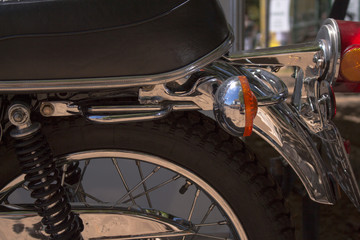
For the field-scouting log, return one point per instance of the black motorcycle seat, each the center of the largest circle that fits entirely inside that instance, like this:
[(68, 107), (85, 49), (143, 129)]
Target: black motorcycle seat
[(62, 39)]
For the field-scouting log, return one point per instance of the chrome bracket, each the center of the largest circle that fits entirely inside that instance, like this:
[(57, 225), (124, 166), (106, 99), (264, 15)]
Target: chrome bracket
[(202, 93), (316, 66), (59, 108)]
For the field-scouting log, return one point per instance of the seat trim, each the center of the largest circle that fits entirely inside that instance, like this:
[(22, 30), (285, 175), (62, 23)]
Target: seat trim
[(80, 84)]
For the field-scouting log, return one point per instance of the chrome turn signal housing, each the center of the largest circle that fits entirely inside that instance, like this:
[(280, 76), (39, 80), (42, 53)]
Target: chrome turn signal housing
[(236, 106)]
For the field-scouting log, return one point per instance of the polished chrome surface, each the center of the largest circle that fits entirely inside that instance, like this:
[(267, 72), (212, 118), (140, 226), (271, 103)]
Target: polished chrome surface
[(281, 126), (113, 113), (315, 62), (229, 107), (102, 223), (51, 85), (282, 129), (293, 130), (58, 108), (132, 117), (340, 167), (329, 35), (301, 55), (118, 114), (202, 93), (129, 218), (267, 87)]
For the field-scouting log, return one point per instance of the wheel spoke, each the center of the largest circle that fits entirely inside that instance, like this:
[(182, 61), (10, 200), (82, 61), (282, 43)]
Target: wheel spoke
[(123, 180), (86, 194), (176, 177), (137, 185), (197, 193), (198, 226), (211, 224), (144, 184)]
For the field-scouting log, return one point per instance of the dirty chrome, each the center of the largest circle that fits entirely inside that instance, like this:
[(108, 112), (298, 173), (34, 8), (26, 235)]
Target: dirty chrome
[(123, 220)]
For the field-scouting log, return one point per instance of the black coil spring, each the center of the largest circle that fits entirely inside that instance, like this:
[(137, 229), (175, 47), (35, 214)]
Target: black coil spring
[(35, 157), (73, 173)]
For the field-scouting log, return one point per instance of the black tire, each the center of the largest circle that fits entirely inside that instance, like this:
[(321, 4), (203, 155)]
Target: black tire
[(195, 142)]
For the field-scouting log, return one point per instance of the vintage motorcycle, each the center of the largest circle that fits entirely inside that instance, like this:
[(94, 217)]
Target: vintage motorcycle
[(125, 120)]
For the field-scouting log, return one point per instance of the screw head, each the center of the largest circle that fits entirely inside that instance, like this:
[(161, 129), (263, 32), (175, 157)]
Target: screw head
[(47, 110), (19, 115)]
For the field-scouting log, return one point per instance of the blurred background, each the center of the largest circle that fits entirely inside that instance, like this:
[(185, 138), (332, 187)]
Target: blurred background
[(279, 22), (271, 23)]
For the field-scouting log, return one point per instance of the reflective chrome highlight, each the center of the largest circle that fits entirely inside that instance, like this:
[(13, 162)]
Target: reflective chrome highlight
[(51, 85), (268, 88), (329, 35), (113, 118), (101, 223), (315, 62), (282, 129), (281, 126), (113, 113), (202, 93), (229, 107), (58, 108), (335, 155)]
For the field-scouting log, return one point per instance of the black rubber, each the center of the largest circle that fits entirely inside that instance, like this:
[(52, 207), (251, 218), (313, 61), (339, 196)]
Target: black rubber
[(195, 142)]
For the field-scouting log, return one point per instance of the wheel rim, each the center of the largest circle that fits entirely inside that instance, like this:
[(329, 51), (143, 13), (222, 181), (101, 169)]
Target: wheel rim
[(142, 189)]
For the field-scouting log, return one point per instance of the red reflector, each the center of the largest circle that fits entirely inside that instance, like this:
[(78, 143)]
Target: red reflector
[(349, 32)]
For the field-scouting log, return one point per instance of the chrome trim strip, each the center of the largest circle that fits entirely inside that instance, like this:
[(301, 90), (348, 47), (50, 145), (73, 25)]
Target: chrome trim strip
[(58, 85), (131, 117)]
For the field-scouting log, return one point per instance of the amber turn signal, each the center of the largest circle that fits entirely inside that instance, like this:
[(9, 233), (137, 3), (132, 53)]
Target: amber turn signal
[(350, 64), (251, 105)]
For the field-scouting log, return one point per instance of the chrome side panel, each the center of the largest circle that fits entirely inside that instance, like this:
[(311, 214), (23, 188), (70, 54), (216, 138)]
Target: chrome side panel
[(280, 127)]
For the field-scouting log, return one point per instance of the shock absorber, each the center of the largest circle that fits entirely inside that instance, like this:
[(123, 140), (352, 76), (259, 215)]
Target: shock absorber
[(36, 161)]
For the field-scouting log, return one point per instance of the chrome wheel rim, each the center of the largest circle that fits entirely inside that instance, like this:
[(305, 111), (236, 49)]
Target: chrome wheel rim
[(153, 165)]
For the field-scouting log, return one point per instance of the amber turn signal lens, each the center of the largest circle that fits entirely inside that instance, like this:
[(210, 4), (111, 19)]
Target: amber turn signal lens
[(350, 64), (251, 105)]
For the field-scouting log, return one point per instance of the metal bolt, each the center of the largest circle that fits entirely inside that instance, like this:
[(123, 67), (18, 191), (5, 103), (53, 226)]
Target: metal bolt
[(18, 116), (319, 60), (320, 63), (47, 110)]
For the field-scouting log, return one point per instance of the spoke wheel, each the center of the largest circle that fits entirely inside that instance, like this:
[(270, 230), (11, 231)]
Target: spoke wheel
[(183, 172)]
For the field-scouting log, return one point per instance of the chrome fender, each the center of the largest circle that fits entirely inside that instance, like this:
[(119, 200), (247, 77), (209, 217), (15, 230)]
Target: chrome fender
[(282, 129)]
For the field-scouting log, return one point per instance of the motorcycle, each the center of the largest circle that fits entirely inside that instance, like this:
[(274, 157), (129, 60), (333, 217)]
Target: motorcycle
[(132, 126)]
